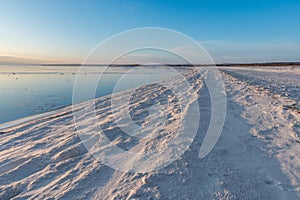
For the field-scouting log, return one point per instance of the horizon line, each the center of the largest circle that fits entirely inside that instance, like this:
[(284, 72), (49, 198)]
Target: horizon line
[(158, 64)]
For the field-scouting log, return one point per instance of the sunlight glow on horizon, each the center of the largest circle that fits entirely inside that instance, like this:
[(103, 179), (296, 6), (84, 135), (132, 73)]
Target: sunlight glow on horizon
[(36, 32)]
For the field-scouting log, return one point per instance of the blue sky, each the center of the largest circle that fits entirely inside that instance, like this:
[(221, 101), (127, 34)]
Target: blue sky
[(231, 30)]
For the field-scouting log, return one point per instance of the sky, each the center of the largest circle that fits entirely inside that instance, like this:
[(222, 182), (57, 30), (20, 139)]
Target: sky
[(63, 31)]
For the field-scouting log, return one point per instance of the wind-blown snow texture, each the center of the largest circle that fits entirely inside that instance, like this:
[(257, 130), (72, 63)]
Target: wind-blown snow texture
[(256, 157)]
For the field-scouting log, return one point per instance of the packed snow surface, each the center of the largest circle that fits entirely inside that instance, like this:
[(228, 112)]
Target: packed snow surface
[(256, 157)]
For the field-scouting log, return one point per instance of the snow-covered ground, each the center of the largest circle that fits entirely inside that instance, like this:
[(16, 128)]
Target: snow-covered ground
[(256, 156)]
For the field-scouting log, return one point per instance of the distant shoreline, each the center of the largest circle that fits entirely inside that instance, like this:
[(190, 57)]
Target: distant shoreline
[(267, 64), (183, 65)]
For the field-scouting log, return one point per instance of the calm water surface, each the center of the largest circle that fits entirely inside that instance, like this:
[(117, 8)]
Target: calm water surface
[(30, 90)]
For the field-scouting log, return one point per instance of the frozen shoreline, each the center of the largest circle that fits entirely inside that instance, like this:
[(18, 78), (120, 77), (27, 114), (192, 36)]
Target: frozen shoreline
[(256, 156), (32, 90)]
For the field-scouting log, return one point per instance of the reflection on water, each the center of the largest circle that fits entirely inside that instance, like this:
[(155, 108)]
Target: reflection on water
[(27, 91)]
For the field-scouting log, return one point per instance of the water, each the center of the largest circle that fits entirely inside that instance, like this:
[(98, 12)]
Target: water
[(31, 90)]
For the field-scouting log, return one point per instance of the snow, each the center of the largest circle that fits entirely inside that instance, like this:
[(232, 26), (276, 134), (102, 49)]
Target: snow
[(256, 156)]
